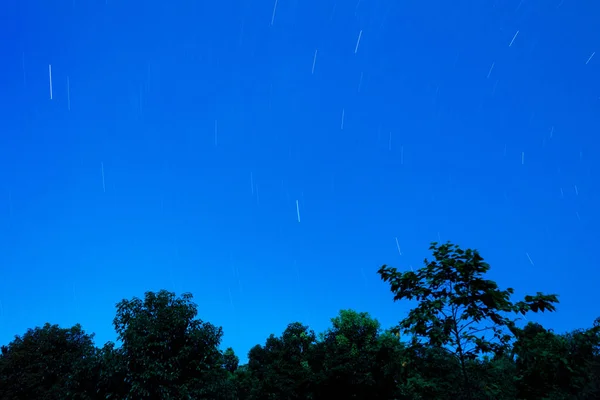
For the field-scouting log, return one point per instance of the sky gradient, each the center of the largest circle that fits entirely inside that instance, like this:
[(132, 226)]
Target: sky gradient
[(269, 157)]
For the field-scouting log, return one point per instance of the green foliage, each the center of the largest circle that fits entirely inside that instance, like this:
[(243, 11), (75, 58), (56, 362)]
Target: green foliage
[(281, 368), (348, 354), (111, 372), (557, 366), (429, 373), (492, 378), (458, 309), (168, 353), (463, 343), (457, 306), (43, 363), (230, 360)]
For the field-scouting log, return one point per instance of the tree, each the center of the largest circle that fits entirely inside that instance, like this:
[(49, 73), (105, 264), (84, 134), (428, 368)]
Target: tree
[(45, 363), (230, 360), (244, 381), (168, 353), (389, 364), (492, 378), (349, 351), (281, 368), (428, 373), (457, 308), (111, 373), (553, 366)]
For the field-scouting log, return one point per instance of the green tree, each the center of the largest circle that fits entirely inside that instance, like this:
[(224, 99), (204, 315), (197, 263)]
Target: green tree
[(281, 369), (390, 357), (348, 356), (584, 356), (230, 360), (458, 309), (492, 378), (553, 366), (429, 373), (245, 382), (110, 372), (168, 353), (47, 363)]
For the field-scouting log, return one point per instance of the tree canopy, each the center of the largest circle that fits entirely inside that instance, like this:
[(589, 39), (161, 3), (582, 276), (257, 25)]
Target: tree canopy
[(463, 339), (458, 309)]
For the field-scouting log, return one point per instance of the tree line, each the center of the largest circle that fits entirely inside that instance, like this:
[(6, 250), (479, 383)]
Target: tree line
[(462, 340)]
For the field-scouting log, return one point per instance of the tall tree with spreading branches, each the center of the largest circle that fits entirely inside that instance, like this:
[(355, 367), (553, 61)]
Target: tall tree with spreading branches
[(458, 309)]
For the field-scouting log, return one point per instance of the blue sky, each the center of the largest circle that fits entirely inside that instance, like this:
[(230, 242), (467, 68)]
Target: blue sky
[(180, 136)]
